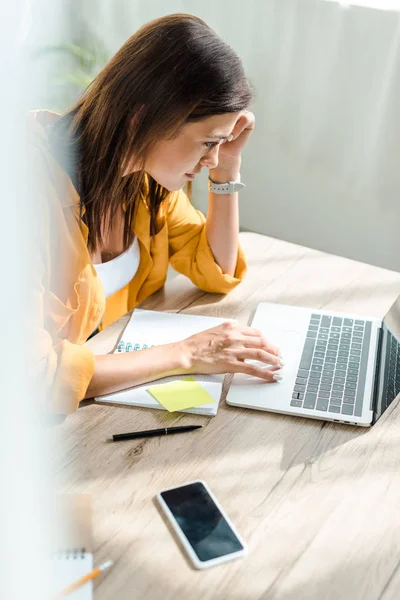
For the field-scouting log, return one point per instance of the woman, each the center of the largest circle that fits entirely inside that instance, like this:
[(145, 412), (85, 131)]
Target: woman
[(173, 100)]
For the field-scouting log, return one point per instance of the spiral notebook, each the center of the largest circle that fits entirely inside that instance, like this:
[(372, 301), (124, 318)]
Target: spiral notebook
[(147, 328), (74, 557)]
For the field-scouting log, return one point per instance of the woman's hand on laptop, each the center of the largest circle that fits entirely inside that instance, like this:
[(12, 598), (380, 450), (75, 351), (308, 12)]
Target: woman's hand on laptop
[(226, 348)]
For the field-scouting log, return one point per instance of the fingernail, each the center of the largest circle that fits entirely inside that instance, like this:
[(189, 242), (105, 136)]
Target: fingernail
[(282, 363), (230, 138), (277, 377)]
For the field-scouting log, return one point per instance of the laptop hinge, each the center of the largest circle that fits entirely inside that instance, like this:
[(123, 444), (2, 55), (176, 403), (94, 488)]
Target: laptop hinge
[(377, 377)]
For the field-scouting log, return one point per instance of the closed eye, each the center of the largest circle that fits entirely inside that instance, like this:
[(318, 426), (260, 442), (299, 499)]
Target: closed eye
[(211, 144)]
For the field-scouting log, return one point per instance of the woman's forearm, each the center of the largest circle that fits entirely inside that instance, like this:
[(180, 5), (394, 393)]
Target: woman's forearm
[(222, 229), (115, 372)]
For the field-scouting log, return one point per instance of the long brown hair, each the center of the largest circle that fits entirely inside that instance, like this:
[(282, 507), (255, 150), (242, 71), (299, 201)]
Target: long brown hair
[(175, 69)]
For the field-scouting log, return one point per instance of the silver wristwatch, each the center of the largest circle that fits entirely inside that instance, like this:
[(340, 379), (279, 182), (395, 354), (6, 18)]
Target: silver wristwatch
[(225, 188)]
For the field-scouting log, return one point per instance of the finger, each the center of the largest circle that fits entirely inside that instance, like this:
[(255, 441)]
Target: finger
[(257, 354), (246, 120), (261, 340), (254, 371)]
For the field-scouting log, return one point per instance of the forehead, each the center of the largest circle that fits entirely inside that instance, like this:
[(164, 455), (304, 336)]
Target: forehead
[(216, 125)]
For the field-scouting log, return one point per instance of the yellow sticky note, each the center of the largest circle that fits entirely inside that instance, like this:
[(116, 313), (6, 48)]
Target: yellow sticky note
[(181, 394)]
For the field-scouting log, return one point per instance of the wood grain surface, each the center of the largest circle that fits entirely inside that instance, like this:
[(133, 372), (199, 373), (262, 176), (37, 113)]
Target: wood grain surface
[(318, 504)]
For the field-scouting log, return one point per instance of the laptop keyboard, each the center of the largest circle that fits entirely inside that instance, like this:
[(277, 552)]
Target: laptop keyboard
[(331, 375)]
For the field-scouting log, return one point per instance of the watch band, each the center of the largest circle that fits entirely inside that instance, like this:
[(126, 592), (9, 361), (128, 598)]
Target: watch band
[(225, 188)]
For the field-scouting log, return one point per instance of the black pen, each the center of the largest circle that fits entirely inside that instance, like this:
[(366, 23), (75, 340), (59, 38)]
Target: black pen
[(152, 433)]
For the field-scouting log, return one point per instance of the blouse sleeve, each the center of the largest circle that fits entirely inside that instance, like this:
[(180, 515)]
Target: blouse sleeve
[(190, 253)]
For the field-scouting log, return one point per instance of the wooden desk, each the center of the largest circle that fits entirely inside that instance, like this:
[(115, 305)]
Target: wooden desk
[(317, 503)]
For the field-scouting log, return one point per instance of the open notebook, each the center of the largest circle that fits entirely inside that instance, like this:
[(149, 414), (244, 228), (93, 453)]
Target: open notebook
[(73, 558), (148, 328)]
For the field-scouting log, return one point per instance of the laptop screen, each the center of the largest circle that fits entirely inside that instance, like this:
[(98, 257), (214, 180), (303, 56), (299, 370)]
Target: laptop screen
[(392, 319), (389, 386)]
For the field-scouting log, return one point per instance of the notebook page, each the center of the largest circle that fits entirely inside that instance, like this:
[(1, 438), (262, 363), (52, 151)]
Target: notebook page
[(67, 568), (152, 328), (72, 557)]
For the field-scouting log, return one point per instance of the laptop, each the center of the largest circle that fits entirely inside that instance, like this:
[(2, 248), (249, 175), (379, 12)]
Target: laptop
[(338, 367)]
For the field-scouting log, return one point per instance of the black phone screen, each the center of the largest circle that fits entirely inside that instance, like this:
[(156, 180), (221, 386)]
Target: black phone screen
[(201, 521)]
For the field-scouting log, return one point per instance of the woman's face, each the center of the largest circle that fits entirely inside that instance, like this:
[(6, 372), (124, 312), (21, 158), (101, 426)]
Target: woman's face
[(174, 162)]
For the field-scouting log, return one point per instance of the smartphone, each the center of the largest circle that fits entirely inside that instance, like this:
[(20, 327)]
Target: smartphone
[(202, 527)]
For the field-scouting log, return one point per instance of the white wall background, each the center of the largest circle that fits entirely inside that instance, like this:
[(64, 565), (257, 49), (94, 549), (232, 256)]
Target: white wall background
[(322, 167)]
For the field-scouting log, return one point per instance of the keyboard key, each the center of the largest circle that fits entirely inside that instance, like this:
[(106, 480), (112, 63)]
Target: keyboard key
[(310, 400), (349, 393), (325, 387), (337, 390), (332, 347), (339, 380), (315, 316), (347, 409), (344, 345), (352, 378), (355, 359), (357, 334), (314, 380), (296, 403), (353, 365), (312, 388), (327, 373), (316, 368), (346, 336), (311, 334), (313, 328), (331, 353), (324, 395), (343, 353), (318, 361), (350, 385), (330, 360), (336, 401), (355, 346), (319, 354), (348, 400), (324, 330), (326, 321), (334, 336), (323, 336), (352, 371), (334, 409), (327, 380), (301, 380), (355, 352), (336, 329), (348, 322), (303, 373), (322, 403), (299, 388), (308, 350), (337, 321), (358, 328), (319, 349)]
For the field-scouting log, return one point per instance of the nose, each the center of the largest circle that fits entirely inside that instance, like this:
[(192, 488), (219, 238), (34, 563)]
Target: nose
[(210, 160)]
